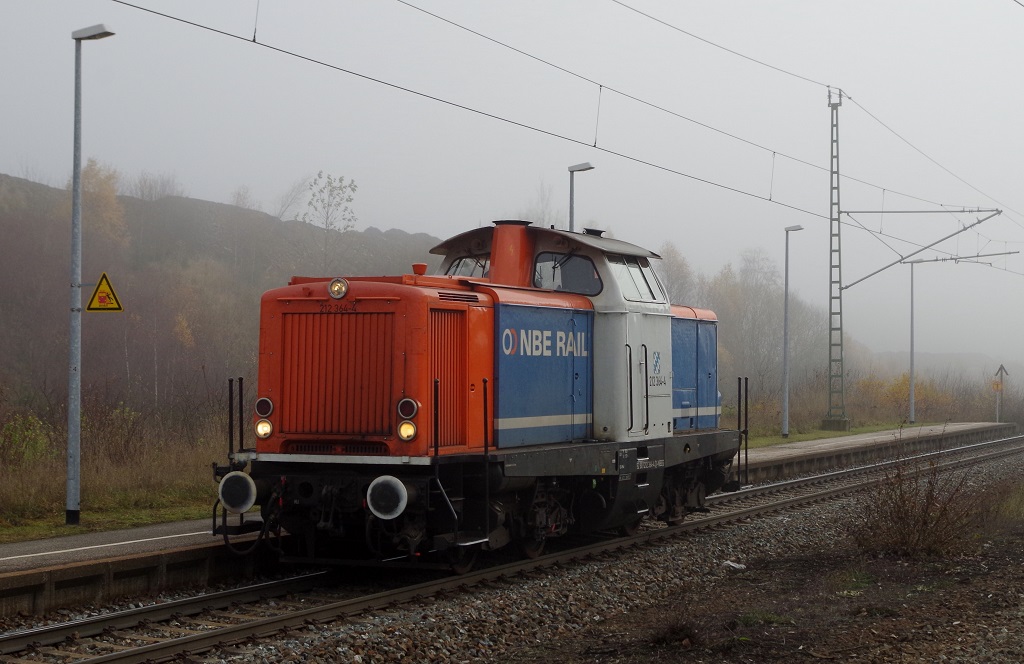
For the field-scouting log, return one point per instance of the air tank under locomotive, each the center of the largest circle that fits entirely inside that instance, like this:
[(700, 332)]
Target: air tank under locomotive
[(540, 384)]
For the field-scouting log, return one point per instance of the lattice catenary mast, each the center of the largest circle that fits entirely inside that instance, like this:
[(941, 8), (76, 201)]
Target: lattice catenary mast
[(836, 419)]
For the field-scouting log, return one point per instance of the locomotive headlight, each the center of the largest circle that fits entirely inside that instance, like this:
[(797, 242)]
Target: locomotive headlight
[(406, 430), (264, 428), (338, 288), (407, 408), (264, 407)]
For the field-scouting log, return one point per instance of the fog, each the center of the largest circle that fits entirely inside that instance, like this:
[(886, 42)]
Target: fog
[(444, 129)]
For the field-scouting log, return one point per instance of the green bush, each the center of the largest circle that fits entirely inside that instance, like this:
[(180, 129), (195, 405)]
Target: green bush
[(25, 439)]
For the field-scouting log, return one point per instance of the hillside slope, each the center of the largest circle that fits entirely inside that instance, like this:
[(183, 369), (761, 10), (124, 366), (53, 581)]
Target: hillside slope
[(189, 274)]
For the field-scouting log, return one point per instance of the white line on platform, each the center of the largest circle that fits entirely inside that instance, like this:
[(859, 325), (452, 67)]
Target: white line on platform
[(100, 546)]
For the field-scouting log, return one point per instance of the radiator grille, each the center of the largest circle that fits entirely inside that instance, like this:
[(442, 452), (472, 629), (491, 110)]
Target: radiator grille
[(448, 365), (356, 449), (336, 373)]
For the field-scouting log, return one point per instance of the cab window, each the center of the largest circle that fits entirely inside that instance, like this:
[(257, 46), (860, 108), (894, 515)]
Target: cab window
[(470, 266), (567, 272), (636, 278)]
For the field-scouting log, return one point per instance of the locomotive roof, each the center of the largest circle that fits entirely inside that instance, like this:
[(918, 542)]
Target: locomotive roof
[(479, 240)]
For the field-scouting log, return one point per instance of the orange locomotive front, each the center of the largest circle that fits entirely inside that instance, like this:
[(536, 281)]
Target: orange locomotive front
[(347, 367), (366, 386)]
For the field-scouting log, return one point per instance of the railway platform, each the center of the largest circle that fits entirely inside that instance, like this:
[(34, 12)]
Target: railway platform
[(787, 460)]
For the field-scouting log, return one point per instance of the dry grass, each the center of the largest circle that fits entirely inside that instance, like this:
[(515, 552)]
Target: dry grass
[(132, 472)]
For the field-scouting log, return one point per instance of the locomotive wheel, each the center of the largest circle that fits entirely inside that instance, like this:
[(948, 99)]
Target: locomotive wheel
[(532, 548), (463, 558)]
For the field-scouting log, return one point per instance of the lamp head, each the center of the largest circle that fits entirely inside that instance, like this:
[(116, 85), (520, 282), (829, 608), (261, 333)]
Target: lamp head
[(92, 32)]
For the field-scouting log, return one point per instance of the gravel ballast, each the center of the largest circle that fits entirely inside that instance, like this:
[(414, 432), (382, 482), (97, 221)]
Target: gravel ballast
[(774, 589)]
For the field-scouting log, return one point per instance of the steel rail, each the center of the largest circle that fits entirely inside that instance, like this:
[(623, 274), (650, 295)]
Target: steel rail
[(95, 625), (753, 491)]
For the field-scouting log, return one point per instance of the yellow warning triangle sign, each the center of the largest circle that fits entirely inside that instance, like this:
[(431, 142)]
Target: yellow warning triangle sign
[(103, 297)]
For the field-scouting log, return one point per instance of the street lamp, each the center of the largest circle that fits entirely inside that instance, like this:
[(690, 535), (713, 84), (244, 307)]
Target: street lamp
[(585, 166), (912, 418), (71, 513), (785, 340)]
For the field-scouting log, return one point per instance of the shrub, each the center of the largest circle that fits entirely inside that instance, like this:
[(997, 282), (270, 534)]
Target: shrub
[(920, 511), (24, 439)]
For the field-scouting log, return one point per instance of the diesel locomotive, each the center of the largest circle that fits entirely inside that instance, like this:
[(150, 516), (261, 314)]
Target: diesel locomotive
[(540, 384)]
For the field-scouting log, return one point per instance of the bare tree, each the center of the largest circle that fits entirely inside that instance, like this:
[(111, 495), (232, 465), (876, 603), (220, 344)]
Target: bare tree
[(242, 198), (33, 173), (677, 275), (291, 197), (328, 207), (540, 210), (153, 186)]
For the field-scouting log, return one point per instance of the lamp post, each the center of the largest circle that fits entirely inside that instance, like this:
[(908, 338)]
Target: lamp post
[(585, 166), (912, 340), (71, 513), (785, 340)]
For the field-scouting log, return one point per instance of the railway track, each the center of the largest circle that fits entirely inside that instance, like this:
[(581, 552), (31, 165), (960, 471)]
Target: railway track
[(862, 477), (228, 621)]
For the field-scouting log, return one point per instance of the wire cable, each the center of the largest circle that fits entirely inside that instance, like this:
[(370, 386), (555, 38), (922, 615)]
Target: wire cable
[(719, 46), (662, 108), (470, 109), (815, 82), (926, 156), (552, 134), (878, 235)]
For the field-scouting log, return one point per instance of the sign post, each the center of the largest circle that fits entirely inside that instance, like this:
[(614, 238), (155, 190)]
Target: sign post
[(997, 386)]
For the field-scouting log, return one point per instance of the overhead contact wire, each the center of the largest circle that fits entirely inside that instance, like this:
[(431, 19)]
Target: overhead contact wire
[(551, 133), (929, 158), (472, 110), (662, 109), (719, 46), (815, 82)]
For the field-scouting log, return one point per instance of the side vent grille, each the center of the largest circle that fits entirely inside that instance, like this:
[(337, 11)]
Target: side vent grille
[(458, 297), (448, 365)]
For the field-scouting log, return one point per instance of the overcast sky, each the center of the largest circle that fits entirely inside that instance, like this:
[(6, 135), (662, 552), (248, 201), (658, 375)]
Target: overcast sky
[(220, 111)]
